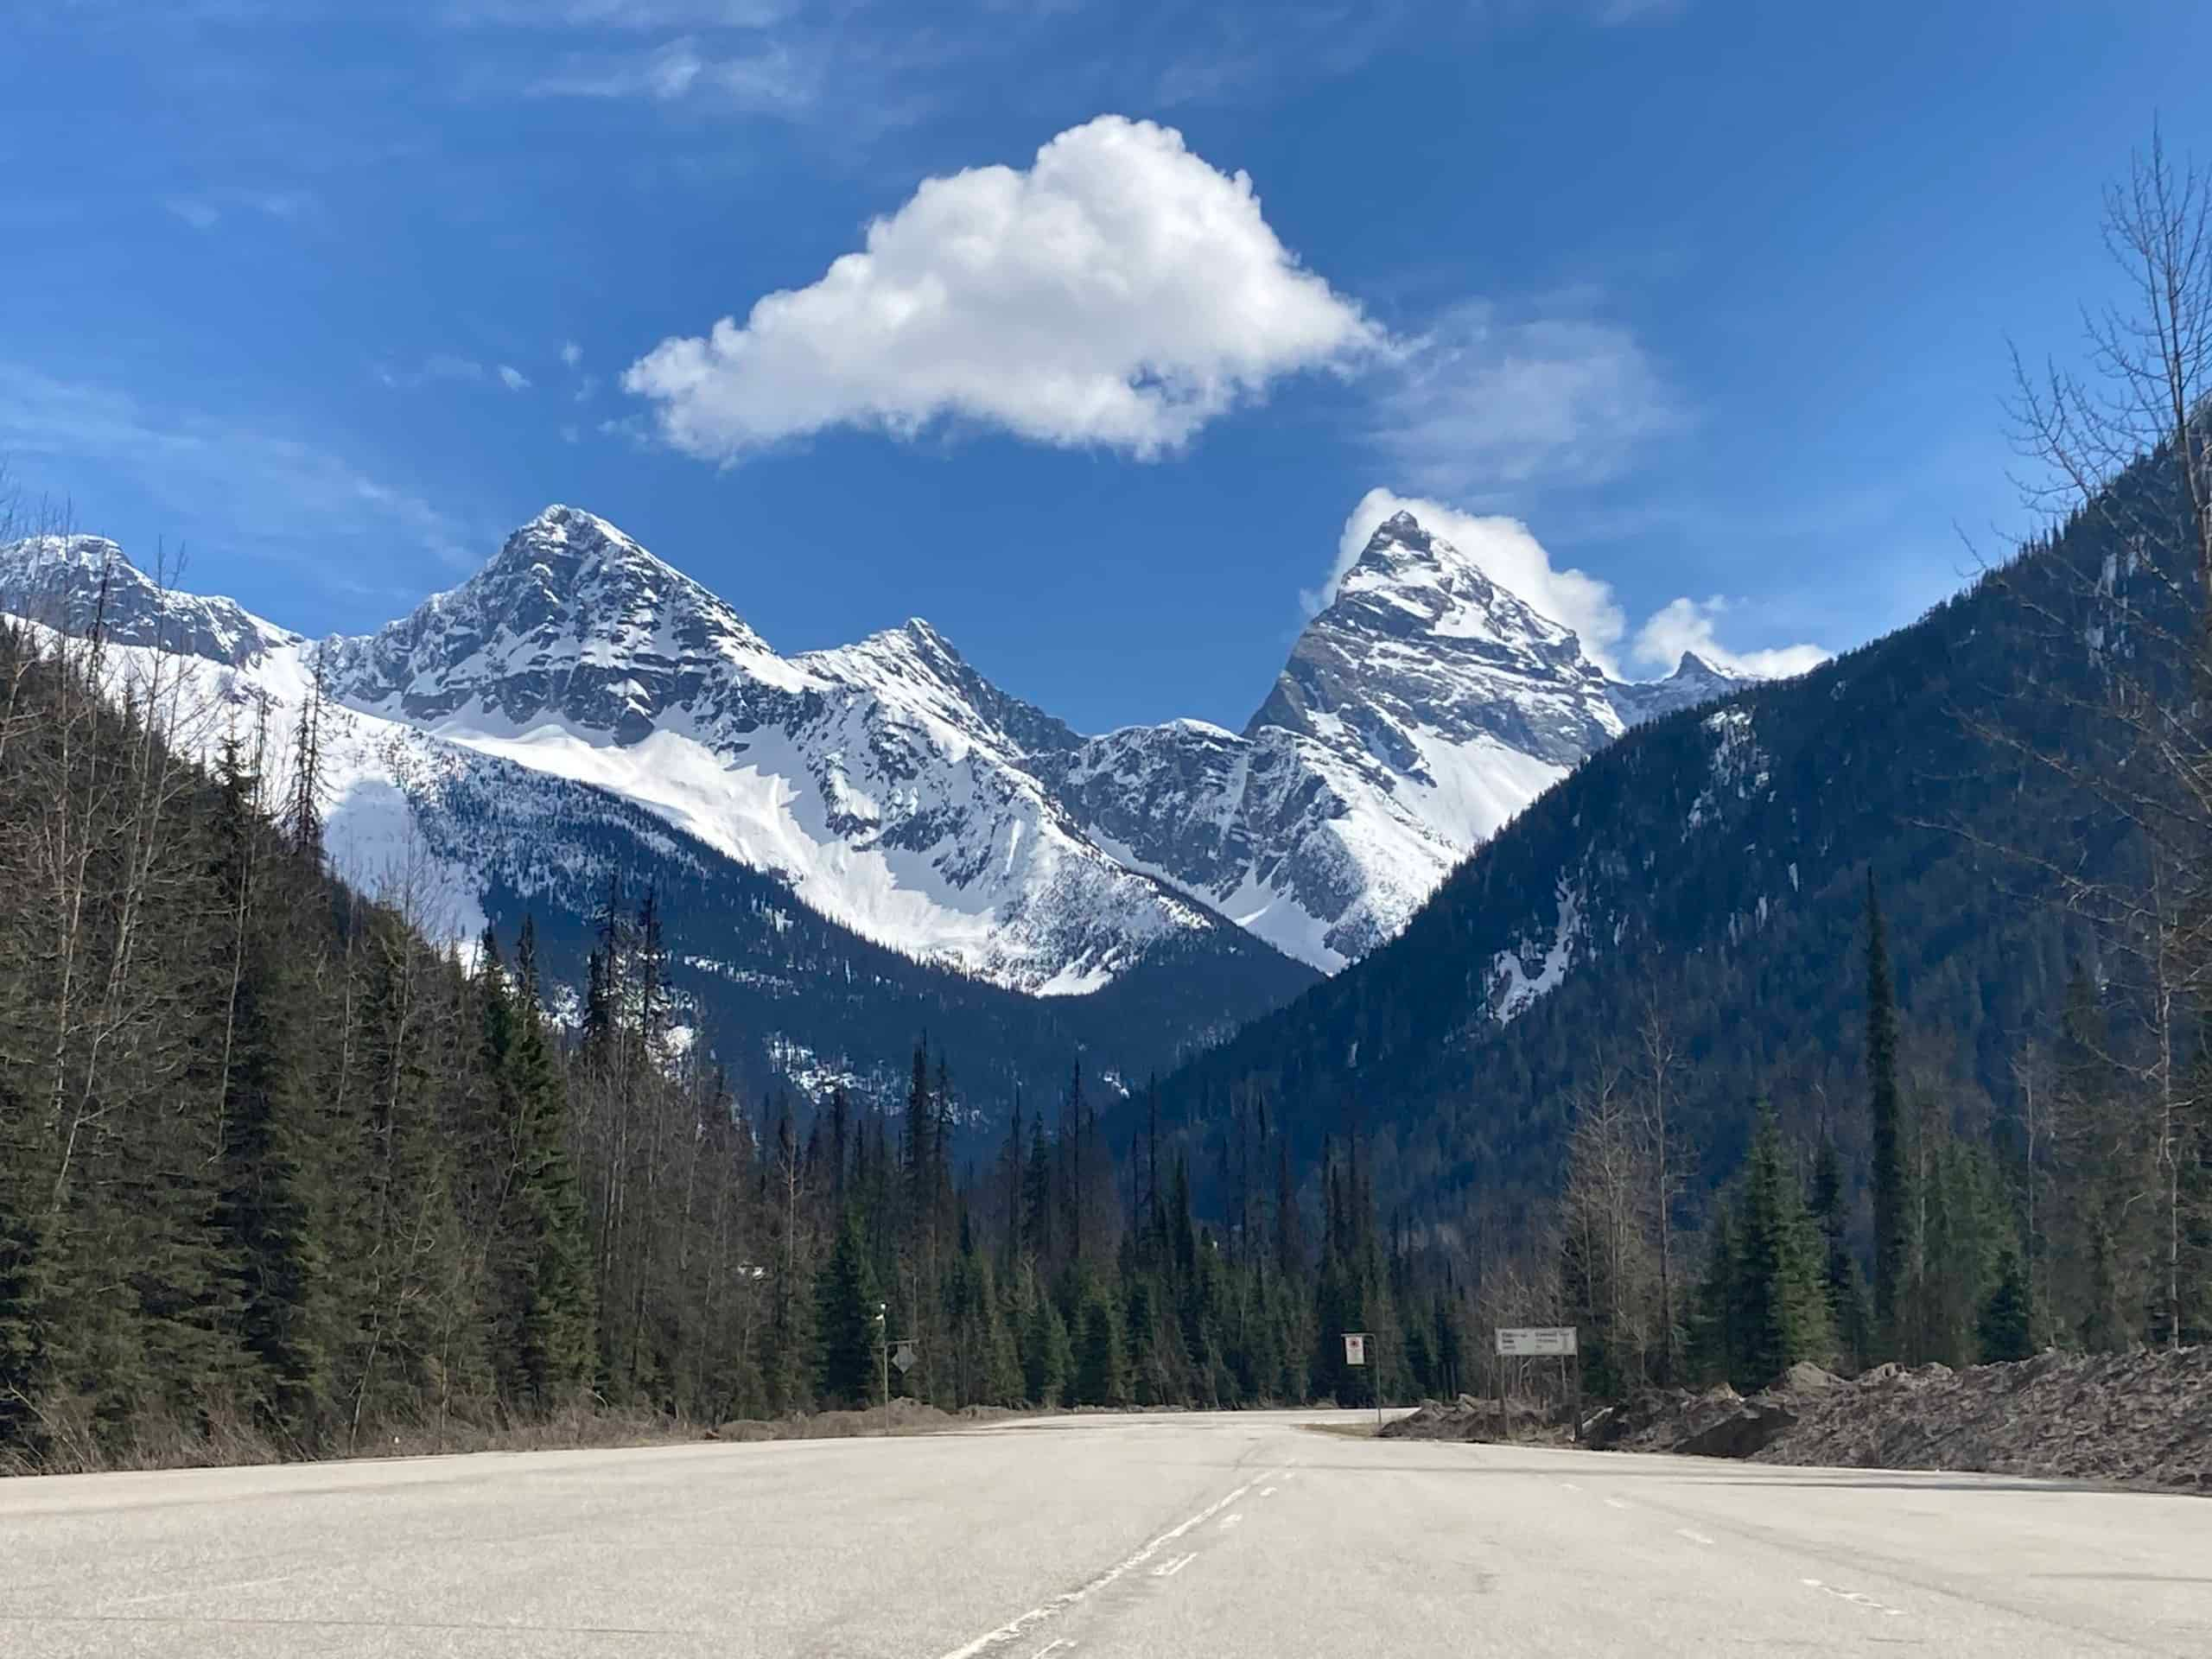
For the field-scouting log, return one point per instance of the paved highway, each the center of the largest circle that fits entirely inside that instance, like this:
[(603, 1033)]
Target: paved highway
[(1249, 1536)]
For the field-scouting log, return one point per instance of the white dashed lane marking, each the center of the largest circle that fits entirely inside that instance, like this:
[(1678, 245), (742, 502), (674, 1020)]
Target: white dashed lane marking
[(1856, 1597)]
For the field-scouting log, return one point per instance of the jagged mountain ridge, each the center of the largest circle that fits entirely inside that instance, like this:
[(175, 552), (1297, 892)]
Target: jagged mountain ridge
[(906, 798), (462, 839)]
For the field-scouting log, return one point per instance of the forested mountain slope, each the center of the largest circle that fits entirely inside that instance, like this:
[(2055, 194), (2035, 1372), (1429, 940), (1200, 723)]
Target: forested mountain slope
[(1713, 865)]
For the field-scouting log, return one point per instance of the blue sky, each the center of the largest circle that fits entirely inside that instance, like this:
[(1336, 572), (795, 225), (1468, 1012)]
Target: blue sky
[(1714, 298)]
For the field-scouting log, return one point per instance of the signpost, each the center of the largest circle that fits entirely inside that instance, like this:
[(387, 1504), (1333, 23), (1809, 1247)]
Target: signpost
[(906, 1353), (1356, 1343), (1515, 1341)]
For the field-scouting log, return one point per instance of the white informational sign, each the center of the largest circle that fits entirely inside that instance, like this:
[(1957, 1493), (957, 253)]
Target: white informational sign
[(903, 1357), (1535, 1339), (1355, 1348)]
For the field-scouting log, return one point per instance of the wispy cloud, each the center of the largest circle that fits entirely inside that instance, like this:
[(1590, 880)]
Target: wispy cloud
[(438, 367), (513, 378), (1481, 406), (571, 353), (204, 210), (285, 497), (771, 79), (635, 15)]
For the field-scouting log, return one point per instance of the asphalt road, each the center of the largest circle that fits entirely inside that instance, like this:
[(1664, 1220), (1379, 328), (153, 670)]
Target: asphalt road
[(1246, 1536)]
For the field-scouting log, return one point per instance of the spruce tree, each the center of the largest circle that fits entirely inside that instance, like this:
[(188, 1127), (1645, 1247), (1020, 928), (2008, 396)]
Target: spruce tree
[(846, 1331), (1047, 1362), (1844, 1288), (545, 1237), (270, 1236), (1782, 1309), (1891, 1243), (2002, 1329), (1098, 1379)]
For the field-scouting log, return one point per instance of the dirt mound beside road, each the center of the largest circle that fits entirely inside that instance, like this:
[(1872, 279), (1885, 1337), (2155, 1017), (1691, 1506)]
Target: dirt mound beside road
[(2141, 1419), (1469, 1419)]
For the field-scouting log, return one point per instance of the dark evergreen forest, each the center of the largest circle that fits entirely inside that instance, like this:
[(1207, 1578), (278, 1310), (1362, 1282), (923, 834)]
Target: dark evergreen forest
[(278, 1177)]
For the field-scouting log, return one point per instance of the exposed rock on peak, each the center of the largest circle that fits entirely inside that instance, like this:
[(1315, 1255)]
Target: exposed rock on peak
[(78, 583)]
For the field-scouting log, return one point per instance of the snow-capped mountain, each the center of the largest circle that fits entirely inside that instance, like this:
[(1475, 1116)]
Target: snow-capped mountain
[(905, 797), (1694, 681), (885, 780), (1420, 710), (76, 583)]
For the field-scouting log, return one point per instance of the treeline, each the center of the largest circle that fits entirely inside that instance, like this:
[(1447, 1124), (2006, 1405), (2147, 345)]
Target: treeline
[(279, 1176)]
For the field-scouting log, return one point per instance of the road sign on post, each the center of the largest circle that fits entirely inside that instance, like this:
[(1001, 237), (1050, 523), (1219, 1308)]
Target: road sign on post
[(1557, 1340), (903, 1357), (1356, 1345)]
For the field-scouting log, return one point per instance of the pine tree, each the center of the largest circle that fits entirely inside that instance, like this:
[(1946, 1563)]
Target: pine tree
[(2002, 1329), (1098, 1377), (1844, 1289), (1891, 1243), (545, 1242), (1047, 1362), (1781, 1307), (270, 1236), (846, 1330)]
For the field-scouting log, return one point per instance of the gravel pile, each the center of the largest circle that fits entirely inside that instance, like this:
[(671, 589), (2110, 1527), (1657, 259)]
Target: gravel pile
[(2139, 1419)]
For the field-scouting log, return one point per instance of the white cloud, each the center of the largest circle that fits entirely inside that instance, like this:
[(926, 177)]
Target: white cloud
[(571, 353), (1509, 554), (1512, 557), (1121, 292), (1687, 624), (1480, 404), (513, 378)]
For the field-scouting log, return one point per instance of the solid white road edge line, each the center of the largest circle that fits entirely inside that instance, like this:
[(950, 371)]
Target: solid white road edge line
[(1061, 1602)]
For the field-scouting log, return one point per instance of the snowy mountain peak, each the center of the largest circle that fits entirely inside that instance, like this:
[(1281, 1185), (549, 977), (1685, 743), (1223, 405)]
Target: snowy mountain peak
[(571, 621), (1694, 681), (1407, 582), (1418, 638), (77, 582)]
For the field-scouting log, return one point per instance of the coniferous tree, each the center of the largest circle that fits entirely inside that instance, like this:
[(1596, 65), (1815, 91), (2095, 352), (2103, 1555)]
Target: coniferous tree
[(1885, 1113), (1841, 1284), (1098, 1376), (1047, 1361), (2003, 1327), (845, 1322), (1781, 1305)]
